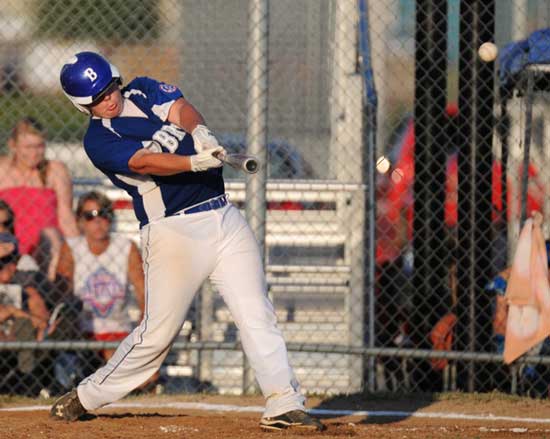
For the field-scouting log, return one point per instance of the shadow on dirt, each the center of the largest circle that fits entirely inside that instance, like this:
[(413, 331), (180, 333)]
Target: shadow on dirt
[(91, 417), (380, 408)]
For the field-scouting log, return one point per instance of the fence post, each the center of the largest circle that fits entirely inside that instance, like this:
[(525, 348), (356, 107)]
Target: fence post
[(256, 135), (476, 97)]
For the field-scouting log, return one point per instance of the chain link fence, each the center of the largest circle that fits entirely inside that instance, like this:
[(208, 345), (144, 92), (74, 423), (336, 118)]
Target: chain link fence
[(383, 218)]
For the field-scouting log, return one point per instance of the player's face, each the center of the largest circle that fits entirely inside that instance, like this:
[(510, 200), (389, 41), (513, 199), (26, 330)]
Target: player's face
[(28, 149), (95, 222), (110, 105)]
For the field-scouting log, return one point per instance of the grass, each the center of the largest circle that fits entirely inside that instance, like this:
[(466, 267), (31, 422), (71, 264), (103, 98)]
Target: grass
[(478, 397), (11, 400), (61, 120)]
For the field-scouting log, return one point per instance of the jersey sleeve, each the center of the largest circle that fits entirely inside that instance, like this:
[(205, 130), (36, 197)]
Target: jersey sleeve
[(160, 95), (110, 152)]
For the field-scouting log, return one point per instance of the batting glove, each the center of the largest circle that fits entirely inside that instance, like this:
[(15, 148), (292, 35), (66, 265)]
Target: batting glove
[(207, 159), (203, 139)]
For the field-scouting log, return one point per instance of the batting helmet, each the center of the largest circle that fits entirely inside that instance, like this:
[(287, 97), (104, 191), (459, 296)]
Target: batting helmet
[(86, 77)]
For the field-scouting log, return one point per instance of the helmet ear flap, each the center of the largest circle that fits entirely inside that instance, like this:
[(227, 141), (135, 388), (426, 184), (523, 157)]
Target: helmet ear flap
[(79, 107), (82, 108), (115, 73)]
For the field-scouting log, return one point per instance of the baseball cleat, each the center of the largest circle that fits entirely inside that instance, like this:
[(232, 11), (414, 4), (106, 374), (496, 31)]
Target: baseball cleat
[(67, 407), (293, 419)]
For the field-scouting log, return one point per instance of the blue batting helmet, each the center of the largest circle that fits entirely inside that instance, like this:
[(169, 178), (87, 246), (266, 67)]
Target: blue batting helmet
[(85, 77)]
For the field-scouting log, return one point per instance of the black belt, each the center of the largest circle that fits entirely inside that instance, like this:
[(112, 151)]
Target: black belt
[(212, 204)]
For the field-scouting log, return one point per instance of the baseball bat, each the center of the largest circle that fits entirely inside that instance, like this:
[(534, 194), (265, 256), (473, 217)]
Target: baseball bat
[(242, 162)]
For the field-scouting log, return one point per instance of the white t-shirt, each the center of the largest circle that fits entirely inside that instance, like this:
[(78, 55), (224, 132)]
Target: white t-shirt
[(101, 282)]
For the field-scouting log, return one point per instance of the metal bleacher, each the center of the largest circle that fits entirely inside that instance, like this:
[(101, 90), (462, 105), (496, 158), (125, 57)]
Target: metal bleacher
[(312, 268)]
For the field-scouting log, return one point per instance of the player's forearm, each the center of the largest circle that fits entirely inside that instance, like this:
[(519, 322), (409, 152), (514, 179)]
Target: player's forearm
[(162, 164)]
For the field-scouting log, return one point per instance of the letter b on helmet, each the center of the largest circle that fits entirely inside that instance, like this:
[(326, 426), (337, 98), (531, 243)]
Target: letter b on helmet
[(89, 72)]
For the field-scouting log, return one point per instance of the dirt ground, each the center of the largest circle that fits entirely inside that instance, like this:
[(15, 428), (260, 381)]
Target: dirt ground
[(154, 421)]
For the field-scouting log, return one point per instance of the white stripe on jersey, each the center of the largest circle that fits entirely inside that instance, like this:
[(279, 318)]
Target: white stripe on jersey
[(150, 192), (162, 110), (134, 91), (154, 205), (107, 124), (131, 110)]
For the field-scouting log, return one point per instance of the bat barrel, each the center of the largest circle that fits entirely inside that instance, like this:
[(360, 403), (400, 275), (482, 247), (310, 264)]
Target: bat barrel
[(242, 162)]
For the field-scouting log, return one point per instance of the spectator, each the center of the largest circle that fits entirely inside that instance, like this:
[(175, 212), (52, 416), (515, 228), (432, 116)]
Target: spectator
[(23, 317), (100, 268), (40, 193), (28, 273), (16, 300)]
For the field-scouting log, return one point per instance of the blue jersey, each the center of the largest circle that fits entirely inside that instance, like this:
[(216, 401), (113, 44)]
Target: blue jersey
[(110, 143)]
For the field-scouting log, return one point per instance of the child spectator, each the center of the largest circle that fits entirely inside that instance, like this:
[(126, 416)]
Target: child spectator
[(18, 301), (23, 317), (40, 193)]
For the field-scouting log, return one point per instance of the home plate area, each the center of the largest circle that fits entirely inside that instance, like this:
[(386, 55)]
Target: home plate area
[(216, 417)]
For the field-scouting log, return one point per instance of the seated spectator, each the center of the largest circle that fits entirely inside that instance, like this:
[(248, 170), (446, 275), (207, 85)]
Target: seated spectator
[(28, 273), (23, 317), (101, 267), (18, 301), (40, 193)]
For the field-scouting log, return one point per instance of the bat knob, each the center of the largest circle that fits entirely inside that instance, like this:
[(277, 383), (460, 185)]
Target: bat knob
[(251, 166)]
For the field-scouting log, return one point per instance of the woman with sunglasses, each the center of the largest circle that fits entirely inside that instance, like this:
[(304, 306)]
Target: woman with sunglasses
[(99, 267), (40, 193)]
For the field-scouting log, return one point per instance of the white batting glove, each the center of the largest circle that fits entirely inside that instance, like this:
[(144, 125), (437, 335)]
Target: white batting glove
[(206, 159), (203, 139)]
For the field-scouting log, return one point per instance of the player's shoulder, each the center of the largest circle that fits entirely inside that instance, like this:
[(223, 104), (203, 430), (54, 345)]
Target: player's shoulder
[(152, 88), (143, 83)]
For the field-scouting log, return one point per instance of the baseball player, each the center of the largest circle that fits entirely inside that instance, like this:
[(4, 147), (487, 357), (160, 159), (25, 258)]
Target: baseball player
[(149, 140)]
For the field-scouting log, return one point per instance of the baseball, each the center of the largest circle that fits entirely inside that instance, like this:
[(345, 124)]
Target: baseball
[(488, 52)]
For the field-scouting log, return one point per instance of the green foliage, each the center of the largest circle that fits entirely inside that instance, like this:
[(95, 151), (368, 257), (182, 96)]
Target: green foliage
[(119, 20), (61, 120)]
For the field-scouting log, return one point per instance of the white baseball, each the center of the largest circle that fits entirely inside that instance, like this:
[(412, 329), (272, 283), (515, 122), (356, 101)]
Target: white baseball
[(488, 52)]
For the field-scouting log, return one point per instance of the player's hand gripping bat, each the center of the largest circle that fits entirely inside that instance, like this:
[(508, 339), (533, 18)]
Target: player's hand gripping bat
[(242, 162)]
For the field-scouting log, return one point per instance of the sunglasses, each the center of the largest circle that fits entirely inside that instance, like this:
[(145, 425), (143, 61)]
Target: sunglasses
[(89, 215)]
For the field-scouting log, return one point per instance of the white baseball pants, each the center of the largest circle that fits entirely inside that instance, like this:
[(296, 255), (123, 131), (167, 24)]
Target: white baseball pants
[(179, 254)]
